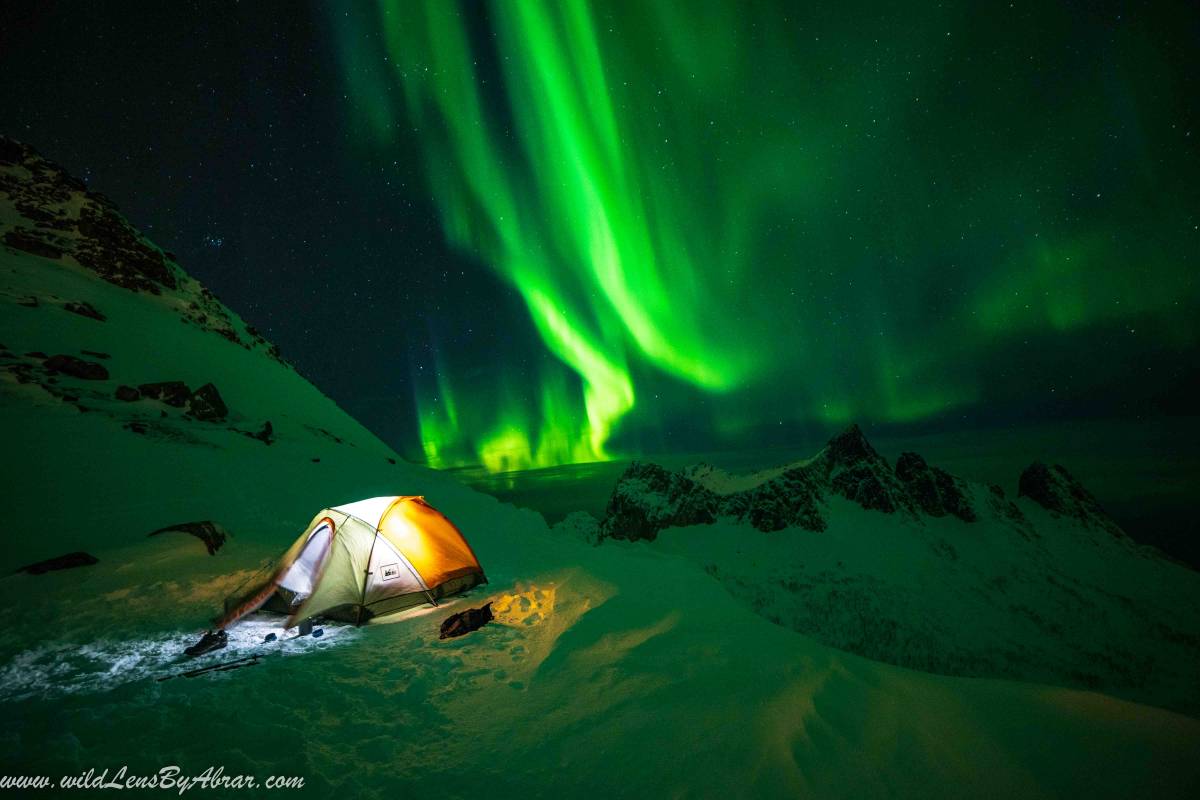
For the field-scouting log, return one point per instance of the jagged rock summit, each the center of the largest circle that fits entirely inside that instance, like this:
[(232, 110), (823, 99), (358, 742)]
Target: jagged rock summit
[(649, 498)]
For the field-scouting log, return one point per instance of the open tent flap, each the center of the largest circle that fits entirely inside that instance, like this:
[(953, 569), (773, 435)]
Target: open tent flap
[(260, 587), (341, 581), (305, 570)]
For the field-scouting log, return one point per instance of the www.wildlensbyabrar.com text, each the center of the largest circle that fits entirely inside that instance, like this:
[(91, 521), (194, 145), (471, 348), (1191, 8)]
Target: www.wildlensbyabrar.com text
[(168, 778)]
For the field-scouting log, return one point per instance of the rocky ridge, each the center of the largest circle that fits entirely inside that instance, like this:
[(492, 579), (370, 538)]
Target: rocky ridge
[(47, 212), (649, 498)]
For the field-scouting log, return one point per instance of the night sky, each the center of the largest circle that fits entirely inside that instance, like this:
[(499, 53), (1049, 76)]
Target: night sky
[(526, 234)]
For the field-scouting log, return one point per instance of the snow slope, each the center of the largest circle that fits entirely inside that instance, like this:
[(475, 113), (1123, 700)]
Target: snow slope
[(918, 568), (616, 671), (99, 469)]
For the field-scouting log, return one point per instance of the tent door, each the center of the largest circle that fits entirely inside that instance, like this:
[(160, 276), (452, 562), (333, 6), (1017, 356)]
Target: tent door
[(301, 578)]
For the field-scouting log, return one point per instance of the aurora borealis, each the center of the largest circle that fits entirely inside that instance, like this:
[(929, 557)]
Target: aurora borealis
[(567, 231), (757, 216)]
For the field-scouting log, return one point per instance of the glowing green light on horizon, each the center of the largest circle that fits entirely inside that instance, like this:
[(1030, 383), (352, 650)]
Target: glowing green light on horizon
[(565, 217), (761, 207)]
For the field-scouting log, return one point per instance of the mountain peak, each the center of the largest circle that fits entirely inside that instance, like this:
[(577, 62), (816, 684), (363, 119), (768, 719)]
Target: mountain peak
[(850, 446), (1055, 489)]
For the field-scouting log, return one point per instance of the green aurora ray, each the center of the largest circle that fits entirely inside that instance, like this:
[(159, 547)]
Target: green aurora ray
[(757, 215)]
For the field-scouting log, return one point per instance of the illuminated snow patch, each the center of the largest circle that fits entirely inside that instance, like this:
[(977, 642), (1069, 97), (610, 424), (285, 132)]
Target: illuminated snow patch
[(62, 668)]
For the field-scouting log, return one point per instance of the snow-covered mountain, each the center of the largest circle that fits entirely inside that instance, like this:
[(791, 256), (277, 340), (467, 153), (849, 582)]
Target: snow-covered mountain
[(131, 400), (917, 567), (133, 397)]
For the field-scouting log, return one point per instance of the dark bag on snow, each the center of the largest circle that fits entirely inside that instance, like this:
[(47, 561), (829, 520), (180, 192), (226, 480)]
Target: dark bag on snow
[(466, 621)]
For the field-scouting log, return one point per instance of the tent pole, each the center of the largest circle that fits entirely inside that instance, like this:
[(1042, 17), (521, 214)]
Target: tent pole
[(362, 599)]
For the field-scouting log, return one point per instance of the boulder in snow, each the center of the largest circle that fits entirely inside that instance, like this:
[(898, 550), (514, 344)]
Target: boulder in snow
[(207, 531), (266, 435), (76, 367), (33, 242), (84, 309), (173, 393), (206, 404), (67, 561)]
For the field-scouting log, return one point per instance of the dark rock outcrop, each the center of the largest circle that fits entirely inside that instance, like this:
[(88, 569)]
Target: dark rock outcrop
[(67, 561), (67, 219), (857, 472), (128, 394), (76, 367), (1007, 510), (114, 250), (1056, 490), (84, 309), (212, 534), (206, 404), (648, 498), (11, 152), (59, 218), (266, 435), (173, 393), (935, 491), (31, 241)]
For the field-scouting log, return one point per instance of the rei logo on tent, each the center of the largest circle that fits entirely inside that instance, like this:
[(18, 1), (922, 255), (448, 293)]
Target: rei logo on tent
[(389, 571)]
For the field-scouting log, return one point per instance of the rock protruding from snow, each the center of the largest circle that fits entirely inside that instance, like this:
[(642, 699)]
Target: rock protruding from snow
[(76, 367), (266, 434), (212, 534), (1056, 490), (67, 561), (84, 309), (63, 218), (206, 404), (648, 498), (173, 393), (857, 472), (46, 212), (935, 491)]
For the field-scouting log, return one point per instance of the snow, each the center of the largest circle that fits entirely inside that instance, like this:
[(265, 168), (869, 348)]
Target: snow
[(722, 482), (620, 670), (612, 670), (1061, 604)]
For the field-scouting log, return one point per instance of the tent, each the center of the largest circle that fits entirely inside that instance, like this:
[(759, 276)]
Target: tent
[(361, 560)]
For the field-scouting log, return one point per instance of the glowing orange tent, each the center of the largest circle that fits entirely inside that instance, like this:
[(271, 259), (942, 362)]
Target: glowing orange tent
[(361, 560)]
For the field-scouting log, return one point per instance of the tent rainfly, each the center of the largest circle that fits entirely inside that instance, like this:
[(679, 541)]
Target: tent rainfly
[(361, 560)]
